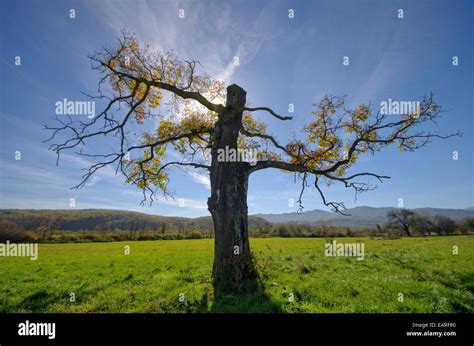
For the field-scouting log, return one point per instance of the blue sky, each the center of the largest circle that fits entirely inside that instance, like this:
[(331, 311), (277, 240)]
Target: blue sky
[(282, 61)]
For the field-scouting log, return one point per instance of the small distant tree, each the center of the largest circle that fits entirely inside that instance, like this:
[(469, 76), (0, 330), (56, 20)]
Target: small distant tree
[(283, 232), (42, 230), (444, 225), (379, 229), (11, 231), (349, 233), (423, 225), (402, 219), (467, 225)]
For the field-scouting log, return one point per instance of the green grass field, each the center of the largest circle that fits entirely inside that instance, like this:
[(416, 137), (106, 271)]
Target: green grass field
[(152, 277)]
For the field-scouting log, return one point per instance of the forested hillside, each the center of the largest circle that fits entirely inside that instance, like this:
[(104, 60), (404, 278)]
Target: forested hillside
[(109, 220)]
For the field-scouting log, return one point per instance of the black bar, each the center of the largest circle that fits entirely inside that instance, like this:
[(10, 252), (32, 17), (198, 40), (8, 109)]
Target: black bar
[(314, 329)]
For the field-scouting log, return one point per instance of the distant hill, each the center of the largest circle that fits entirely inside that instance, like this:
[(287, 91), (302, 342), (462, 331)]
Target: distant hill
[(308, 217), (360, 217), (103, 219)]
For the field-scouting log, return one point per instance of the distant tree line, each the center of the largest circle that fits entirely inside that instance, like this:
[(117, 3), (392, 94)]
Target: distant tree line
[(400, 224), (72, 226), (102, 225), (14, 233), (412, 223)]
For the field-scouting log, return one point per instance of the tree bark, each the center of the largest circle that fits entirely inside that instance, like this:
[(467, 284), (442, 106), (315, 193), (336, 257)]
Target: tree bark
[(228, 201), (406, 228)]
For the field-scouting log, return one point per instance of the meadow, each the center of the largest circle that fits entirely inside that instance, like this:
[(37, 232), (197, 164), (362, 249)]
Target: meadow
[(406, 275)]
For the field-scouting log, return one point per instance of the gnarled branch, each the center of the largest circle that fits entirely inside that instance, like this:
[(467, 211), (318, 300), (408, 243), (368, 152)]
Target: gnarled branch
[(266, 109)]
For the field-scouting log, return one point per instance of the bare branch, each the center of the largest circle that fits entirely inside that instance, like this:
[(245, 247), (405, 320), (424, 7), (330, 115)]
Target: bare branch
[(265, 136), (266, 109), (337, 207), (371, 133)]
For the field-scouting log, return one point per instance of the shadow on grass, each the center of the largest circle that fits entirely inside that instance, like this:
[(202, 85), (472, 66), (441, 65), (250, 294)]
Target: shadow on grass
[(38, 301), (248, 297), (42, 300)]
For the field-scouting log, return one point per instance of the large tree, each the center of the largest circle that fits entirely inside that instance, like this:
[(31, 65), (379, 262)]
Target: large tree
[(195, 113)]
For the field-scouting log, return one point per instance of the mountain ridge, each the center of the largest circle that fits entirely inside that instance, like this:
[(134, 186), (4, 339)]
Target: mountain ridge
[(97, 219), (359, 217)]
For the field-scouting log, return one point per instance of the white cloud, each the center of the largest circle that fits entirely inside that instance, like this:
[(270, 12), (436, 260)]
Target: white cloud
[(201, 178), (157, 24)]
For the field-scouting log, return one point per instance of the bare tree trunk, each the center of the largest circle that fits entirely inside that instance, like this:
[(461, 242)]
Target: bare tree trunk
[(406, 228), (228, 201)]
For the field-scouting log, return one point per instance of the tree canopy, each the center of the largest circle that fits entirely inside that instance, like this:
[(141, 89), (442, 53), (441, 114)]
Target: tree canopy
[(139, 84)]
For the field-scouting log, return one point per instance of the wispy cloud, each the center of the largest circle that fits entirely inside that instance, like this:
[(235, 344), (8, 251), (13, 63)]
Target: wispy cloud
[(201, 178), (155, 24)]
